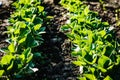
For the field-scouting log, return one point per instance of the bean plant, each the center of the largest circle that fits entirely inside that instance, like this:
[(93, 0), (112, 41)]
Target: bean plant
[(24, 36), (93, 42)]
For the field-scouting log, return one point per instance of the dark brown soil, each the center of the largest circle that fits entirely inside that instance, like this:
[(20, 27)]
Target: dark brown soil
[(57, 48), (4, 15)]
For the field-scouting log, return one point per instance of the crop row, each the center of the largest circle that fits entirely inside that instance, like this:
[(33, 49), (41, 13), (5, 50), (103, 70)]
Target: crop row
[(93, 42), (24, 36)]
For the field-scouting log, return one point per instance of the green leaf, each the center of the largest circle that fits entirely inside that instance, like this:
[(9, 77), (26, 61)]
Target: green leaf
[(27, 52), (27, 19), (65, 28), (31, 42), (102, 69), (33, 18), (79, 63), (17, 31), (90, 76), (40, 8), (22, 57), (1, 72), (105, 23), (11, 65), (30, 56), (6, 59), (102, 33), (22, 40), (104, 61), (11, 48), (86, 10), (89, 59), (37, 27), (82, 78), (107, 78), (22, 25), (90, 35), (92, 70), (118, 60)]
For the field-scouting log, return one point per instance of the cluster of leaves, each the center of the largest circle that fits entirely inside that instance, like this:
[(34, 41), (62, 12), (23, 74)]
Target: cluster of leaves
[(92, 42), (24, 36)]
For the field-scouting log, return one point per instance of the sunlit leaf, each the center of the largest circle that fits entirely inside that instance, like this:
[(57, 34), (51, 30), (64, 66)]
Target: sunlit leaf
[(90, 76), (29, 58), (37, 27), (40, 8), (107, 78), (6, 59), (82, 78), (1, 72), (27, 52), (17, 31), (11, 47), (86, 10), (11, 65), (22, 40), (79, 63)]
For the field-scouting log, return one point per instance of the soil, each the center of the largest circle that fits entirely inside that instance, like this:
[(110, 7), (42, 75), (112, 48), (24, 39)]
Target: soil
[(56, 63)]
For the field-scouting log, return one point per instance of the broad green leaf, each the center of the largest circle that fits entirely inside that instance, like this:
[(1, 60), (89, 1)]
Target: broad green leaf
[(17, 31), (107, 78), (37, 27), (79, 63), (22, 40), (102, 33), (21, 1), (22, 57), (22, 25), (105, 23), (82, 78), (11, 48), (90, 76), (6, 59), (104, 61), (99, 42), (40, 8), (90, 37), (28, 1), (27, 52), (81, 19), (27, 19), (1, 72), (86, 10), (92, 70), (102, 69)]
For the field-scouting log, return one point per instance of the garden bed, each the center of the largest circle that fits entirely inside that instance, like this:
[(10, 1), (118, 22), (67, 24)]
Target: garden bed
[(56, 63)]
